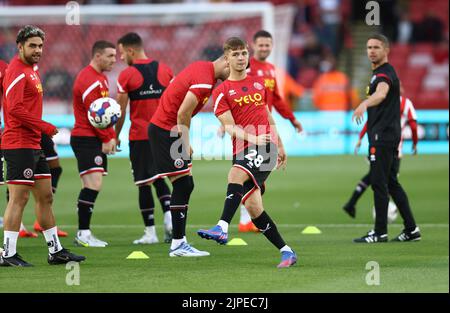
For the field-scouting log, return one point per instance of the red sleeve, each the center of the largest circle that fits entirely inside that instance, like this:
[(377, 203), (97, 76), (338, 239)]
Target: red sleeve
[(122, 81), (382, 77), (363, 131), (220, 102), (165, 74), (16, 109), (281, 106), (201, 90), (413, 125), (105, 135)]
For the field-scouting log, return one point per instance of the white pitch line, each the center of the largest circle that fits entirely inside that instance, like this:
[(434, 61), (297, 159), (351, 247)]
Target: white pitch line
[(278, 225)]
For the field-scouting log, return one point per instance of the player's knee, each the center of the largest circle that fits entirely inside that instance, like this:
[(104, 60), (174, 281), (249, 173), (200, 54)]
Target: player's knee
[(237, 176), (93, 182), (19, 198), (56, 171), (45, 199), (191, 183), (251, 204), (183, 185)]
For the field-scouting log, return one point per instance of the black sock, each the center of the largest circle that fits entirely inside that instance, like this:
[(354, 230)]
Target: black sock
[(359, 190), (147, 205), (163, 192), (86, 201), (269, 229), (182, 189), (7, 195), (56, 173), (232, 201)]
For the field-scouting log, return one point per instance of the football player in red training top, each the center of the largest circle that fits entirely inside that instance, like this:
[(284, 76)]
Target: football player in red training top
[(142, 84), (240, 103), (262, 48), (3, 66), (169, 140), (51, 157), (27, 169), (90, 144)]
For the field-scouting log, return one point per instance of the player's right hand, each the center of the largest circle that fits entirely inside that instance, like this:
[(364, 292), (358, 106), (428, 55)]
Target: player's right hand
[(357, 146), (282, 158), (262, 139), (109, 147)]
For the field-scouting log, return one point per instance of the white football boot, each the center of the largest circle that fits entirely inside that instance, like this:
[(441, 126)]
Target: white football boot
[(85, 238), (148, 238)]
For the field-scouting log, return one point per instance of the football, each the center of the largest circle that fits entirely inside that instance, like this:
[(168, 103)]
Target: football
[(104, 113), (392, 212)]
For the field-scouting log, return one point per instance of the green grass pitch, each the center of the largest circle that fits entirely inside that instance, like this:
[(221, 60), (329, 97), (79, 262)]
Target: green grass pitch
[(310, 192)]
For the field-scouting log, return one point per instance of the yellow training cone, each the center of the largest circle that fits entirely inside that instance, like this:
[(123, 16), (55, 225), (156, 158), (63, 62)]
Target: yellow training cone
[(236, 242), (310, 230), (137, 255)]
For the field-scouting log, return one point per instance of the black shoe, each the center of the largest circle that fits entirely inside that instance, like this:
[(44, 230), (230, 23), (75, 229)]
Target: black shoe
[(64, 256), (372, 237), (15, 260), (350, 210), (409, 235)]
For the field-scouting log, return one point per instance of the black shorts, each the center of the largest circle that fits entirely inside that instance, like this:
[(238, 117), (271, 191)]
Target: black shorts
[(168, 159), (24, 166), (88, 151), (258, 162), (2, 178), (49, 148), (141, 161)]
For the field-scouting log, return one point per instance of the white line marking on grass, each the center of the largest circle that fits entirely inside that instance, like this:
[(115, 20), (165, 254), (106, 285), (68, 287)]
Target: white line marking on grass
[(278, 225)]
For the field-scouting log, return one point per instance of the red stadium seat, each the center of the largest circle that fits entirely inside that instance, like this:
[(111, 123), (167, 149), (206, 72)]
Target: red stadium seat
[(432, 100), (306, 77)]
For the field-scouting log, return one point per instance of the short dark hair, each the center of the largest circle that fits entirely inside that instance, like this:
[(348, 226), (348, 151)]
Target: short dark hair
[(130, 40), (101, 45), (261, 33), (381, 38), (234, 43), (29, 31)]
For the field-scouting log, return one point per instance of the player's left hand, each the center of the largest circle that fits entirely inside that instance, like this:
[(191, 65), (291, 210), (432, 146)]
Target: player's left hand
[(297, 125), (358, 114), (282, 158), (221, 131), (414, 149)]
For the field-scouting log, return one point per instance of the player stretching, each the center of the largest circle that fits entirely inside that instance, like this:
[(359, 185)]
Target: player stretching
[(90, 144), (169, 140), (142, 83), (27, 169), (240, 103), (262, 48)]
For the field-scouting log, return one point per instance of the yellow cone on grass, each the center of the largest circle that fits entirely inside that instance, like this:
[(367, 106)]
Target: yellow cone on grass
[(135, 255), (310, 230), (236, 242)]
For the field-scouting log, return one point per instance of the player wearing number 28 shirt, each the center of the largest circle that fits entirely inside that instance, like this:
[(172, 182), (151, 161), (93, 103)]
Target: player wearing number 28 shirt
[(240, 105)]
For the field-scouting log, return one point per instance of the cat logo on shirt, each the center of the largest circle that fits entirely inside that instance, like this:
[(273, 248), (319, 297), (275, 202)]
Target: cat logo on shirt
[(205, 100), (104, 93)]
